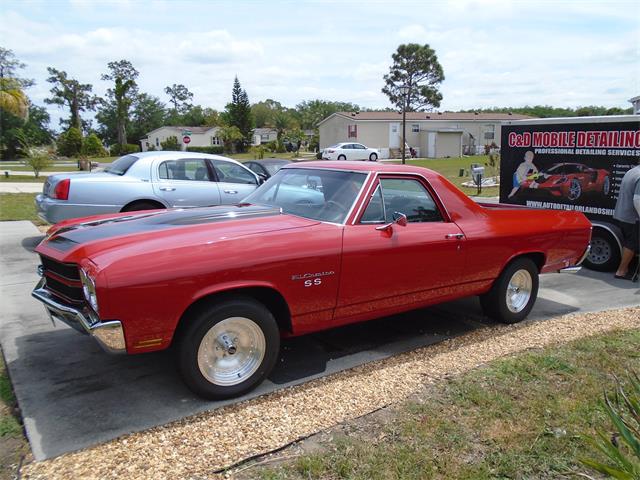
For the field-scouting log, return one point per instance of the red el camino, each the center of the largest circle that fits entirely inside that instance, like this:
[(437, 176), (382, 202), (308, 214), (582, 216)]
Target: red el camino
[(321, 244), (571, 180)]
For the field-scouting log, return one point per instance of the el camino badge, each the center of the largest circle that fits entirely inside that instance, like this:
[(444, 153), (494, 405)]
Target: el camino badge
[(312, 279)]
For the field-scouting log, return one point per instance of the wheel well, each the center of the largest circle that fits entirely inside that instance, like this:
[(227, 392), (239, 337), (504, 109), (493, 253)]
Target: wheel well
[(131, 204), (269, 297), (536, 257)]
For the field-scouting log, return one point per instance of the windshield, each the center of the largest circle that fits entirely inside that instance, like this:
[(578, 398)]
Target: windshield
[(121, 165), (272, 168), (324, 195)]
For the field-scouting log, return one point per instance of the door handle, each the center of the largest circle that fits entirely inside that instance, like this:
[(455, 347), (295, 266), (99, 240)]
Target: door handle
[(231, 191), (167, 189), (458, 236)]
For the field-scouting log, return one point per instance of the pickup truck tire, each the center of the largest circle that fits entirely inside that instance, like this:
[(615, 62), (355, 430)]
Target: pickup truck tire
[(514, 292), (228, 348)]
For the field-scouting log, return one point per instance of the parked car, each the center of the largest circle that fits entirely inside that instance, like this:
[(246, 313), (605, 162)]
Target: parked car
[(146, 181), (350, 151), (266, 167), (570, 180), (321, 244)]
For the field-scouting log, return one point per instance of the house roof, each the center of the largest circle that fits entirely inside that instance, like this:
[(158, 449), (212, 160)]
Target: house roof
[(181, 128), (264, 130), (424, 116)]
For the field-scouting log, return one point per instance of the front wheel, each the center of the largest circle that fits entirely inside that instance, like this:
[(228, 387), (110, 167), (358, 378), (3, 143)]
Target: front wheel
[(229, 348), (513, 294), (341, 157)]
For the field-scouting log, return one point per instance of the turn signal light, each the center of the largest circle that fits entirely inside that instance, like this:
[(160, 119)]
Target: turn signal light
[(61, 192)]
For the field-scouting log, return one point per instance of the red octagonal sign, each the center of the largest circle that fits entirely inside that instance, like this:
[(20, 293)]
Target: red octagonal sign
[(186, 139)]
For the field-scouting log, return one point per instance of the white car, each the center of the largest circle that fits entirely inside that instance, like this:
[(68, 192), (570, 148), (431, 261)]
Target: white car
[(350, 151)]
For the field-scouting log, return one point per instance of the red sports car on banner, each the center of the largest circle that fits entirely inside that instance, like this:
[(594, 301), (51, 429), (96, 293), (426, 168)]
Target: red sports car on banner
[(570, 180)]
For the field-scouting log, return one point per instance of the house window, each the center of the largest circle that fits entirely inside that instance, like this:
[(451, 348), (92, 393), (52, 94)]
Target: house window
[(157, 142), (215, 141), (264, 137), (489, 132), (415, 128), (352, 131)]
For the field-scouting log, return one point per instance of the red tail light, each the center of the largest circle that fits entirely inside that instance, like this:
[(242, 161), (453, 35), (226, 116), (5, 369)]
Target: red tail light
[(61, 192)]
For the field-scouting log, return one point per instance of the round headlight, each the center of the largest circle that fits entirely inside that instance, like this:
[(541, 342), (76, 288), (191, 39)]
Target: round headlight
[(89, 289)]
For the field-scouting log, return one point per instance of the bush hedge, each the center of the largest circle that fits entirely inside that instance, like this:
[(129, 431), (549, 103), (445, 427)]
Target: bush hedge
[(125, 149), (213, 149)]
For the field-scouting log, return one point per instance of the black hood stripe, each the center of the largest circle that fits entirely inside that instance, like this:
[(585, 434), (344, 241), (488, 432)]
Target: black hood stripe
[(67, 238)]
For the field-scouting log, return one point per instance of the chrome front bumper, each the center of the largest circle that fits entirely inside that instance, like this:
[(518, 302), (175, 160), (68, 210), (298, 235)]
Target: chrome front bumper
[(109, 335), (576, 268)]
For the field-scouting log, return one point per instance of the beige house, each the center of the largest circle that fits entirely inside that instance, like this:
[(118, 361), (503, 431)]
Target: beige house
[(264, 135), (200, 137), (430, 134)]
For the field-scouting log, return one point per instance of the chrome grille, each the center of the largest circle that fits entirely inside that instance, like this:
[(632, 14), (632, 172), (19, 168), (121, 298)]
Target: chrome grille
[(62, 280)]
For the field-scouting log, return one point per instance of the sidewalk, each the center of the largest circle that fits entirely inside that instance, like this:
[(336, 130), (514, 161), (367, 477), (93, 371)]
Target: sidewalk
[(16, 187)]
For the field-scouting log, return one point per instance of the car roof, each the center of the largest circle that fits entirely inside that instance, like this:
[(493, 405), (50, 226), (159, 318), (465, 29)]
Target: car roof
[(364, 167), (179, 155)]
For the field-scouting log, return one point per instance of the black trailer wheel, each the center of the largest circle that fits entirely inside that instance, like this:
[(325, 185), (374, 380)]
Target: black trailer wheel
[(228, 348), (514, 292), (605, 252)]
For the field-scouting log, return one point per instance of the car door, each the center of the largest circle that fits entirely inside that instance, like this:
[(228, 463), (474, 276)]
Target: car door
[(360, 152), (346, 151), (234, 181), (185, 182), (389, 267)]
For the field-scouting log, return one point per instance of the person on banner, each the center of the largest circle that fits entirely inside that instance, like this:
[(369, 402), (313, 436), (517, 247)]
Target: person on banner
[(627, 213), (525, 171)]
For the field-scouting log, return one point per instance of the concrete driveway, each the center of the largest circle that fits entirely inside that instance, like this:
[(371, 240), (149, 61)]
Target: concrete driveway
[(72, 395)]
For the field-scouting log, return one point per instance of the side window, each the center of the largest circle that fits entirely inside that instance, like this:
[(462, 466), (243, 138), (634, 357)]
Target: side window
[(375, 210), (406, 196), (359, 147), (347, 146), (189, 169), (231, 173)]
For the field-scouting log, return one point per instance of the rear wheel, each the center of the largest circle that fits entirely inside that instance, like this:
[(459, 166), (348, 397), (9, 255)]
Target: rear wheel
[(513, 294), (373, 157), (604, 255), (229, 348), (142, 205)]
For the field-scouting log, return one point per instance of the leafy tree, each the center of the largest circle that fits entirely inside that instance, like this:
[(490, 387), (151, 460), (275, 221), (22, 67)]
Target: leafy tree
[(147, 115), (312, 112), (180, 97), (13, 100), (15, 132), (263, 112), (70, 143), (36, 128), (9, 66), (107, 122), (546, 111), (38, 160), (417, 67), (92, 146), (230, 136), (171, 143), (71, 93), (238, 114), (123, 94)]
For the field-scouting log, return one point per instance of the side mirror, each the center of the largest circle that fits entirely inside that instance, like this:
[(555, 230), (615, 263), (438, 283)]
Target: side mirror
[(398, 218), (261, 178)]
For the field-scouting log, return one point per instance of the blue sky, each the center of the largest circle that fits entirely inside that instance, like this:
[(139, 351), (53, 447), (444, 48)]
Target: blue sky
[(494, 52)]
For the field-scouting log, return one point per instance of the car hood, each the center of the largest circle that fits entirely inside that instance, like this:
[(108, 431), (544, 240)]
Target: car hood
[(162, 230)]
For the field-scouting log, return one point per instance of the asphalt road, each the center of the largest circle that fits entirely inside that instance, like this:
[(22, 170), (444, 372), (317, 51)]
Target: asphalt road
[(72, 395)]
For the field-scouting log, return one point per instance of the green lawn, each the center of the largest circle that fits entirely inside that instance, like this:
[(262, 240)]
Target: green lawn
[(13, 444), (450, 168), (19, 206), (241, 157), (522, 417), (22, 178)]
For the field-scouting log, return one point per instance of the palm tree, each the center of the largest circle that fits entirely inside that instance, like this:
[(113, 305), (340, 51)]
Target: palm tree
[(13, 99)]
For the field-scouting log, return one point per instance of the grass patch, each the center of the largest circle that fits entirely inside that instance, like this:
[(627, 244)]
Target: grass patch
[(450, 168), (243, 157), (22, 179), (54, 168), (19, 206), (522, 417)]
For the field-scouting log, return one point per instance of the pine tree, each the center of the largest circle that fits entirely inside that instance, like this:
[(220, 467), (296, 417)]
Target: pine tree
[(238, 113)]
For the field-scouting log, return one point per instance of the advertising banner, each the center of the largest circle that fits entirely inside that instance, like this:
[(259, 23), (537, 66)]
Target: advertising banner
[(567, 166)]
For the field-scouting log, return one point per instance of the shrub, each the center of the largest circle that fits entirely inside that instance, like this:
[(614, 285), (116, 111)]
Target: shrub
[(622, 447), (213, 149), (151, 148), (70, 143), (125, 149), (92, 146), (258, 151), (272, 146), (38, 160), (171, 143)]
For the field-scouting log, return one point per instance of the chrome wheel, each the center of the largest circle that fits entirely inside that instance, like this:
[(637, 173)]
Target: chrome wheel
[(575, 189), (231, 351), (519, 291)]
